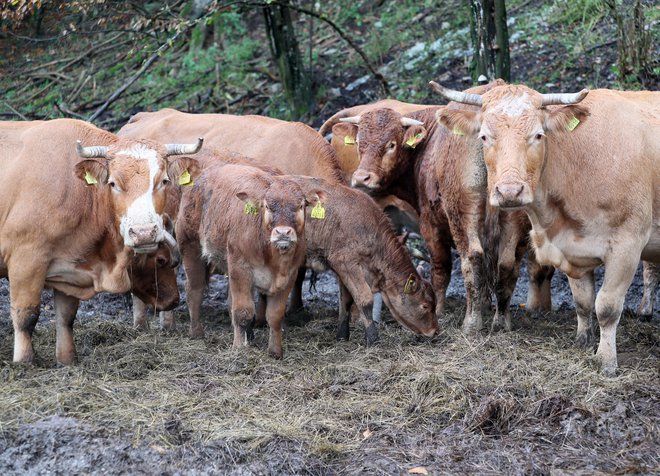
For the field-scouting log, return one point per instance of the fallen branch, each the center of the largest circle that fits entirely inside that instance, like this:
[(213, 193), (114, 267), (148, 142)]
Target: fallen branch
[(14, 111)]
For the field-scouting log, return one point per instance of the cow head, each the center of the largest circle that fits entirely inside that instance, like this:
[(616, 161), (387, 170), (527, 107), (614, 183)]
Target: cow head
[(136, 176), (513, 124), (412, 303), (282, 210), (153, 279), (384, 140)]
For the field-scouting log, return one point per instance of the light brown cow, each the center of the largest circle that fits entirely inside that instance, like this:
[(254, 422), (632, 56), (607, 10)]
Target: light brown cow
[(73, 225), (245, 222), (588, 176)]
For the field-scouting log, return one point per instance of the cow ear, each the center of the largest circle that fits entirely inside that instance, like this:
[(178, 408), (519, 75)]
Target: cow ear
[(414, 136), (315, 196), (344, 133), (462, 123), (92, 171), (565, 118), (183, 169)]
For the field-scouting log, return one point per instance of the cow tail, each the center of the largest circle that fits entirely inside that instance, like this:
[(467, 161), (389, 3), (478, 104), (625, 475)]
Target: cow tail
[(491, 246)]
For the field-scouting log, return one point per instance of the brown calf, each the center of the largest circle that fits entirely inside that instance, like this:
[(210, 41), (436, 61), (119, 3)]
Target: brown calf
[(240, 220)]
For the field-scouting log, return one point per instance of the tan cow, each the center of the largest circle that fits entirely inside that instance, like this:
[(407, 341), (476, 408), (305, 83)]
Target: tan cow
[(587, 173), (74, 225), (245, 222)]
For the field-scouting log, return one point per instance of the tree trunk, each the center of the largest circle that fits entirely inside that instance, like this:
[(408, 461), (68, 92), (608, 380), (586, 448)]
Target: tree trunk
[(490, 40), (285, 51)]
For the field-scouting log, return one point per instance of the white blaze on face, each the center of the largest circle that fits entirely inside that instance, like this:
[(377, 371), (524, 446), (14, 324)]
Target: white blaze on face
[(141, 215), (514, 106)]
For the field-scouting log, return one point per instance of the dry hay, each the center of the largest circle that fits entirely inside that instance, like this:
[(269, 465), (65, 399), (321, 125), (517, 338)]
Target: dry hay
[(526, 402)]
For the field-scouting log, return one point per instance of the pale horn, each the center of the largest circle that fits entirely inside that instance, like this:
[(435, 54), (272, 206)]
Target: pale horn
[(564, 98), (91, 152), (458, 96), (184, 149)]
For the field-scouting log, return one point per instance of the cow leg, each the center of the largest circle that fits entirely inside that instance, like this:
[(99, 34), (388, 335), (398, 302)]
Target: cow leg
[(260, 311), (25, 285), (196, 280), (275, 315), (440, 251), (376, 314), (167, 321), (539, 297), (345, 304), (242, 305), (619, 274), (651, 276), (296, 301), (584, 295), (140, 319), (66, 308)]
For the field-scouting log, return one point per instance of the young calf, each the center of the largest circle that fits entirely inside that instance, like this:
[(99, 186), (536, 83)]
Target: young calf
[(242, 221)]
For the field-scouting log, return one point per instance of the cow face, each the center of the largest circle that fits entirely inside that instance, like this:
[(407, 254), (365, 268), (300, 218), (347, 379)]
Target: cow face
[(513, 125), (153, 279), (282, 209), (413, 304), (384, 139), (137, 176)]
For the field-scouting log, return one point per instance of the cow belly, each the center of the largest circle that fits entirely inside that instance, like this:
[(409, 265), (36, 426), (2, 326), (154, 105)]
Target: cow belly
[(651, 251)]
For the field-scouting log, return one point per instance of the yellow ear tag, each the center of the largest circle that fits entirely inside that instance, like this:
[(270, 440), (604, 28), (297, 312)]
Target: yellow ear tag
[(348, 140), (410, 285), (250, 209), (572, 124), (318, 211), (90, 179), (185, 179), (413, 141), (456, 130)]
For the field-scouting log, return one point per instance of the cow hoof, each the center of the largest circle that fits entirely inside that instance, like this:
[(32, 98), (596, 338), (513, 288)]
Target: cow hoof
[(275, 354), (608, 371), (343, 331), (371, 335), (142, 325), (196, 333), (66, 361)]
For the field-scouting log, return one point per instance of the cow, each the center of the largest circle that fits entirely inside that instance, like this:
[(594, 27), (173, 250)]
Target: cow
[(249, 224), (651, 274), (442, 175), (585, 168), (75, 225)]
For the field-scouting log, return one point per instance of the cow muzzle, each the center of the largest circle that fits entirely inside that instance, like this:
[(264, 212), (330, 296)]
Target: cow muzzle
[(283, 238), (365, 180), (144, 238), (511, 195)]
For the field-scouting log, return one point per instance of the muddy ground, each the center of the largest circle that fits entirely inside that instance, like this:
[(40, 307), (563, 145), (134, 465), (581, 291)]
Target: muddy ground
[(525, 402)]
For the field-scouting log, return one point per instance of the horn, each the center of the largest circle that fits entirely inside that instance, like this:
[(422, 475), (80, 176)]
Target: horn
[(406, 121), (174, 249), (184, 149), (458, 96), (351, 120), (564, 98), (92, 152)]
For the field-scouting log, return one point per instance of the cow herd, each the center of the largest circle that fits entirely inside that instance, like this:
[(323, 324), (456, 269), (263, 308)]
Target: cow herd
[(573, 180)]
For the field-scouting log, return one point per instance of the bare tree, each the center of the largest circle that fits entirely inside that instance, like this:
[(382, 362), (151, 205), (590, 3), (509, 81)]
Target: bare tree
[(490, 39)]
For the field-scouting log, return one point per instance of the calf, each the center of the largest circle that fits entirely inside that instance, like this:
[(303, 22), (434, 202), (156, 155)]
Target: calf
[(587, 174), (74, 225), (242, 221)]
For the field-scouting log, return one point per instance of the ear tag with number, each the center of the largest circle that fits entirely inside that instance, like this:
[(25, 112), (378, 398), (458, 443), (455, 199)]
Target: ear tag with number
[(572, 124), (90, 179), (250, 209), (456, 130), (348, 140), (318, 211), (409, 287), (185, 178), (414, 140)]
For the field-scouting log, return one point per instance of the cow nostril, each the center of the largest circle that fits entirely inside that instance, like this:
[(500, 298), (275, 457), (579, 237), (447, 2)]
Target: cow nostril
[(366, 178)]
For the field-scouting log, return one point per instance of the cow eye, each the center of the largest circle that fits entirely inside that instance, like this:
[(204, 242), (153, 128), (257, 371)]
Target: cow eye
[(112, 184), (391, 145), (166, 181), (483, 137), (539, 136)]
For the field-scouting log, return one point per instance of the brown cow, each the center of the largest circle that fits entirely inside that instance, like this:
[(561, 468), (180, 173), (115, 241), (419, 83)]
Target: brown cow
[(245, 222), (587, 174), (443, 176), (73, 225)]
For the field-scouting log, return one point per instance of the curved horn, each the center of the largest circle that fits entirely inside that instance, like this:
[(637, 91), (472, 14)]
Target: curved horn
[(174, 249), (458, 96), (406, 121), (564, 98), (184, 149), (91, 152), (351, 120)]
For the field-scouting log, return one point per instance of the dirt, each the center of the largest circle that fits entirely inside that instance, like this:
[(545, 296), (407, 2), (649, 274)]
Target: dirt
[(525, 402)]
